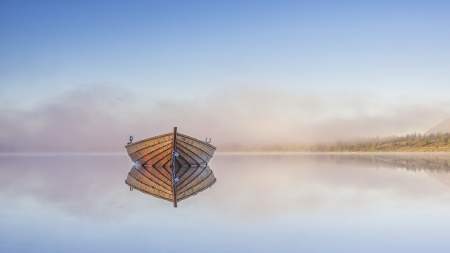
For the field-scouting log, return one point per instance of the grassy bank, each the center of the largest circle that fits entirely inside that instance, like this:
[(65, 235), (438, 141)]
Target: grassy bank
[(408, 143)]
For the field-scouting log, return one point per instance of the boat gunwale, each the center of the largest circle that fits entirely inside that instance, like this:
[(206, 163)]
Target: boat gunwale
[(151, 138), (162, 135), (139, 150), (195, 139)]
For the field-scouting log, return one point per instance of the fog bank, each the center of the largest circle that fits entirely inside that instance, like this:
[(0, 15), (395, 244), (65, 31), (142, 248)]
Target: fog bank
[(101, 118)]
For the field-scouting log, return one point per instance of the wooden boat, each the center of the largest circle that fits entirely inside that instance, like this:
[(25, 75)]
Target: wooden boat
[(172, 166)]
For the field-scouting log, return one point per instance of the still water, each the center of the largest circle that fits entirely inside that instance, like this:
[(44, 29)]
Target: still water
[(260, 203)]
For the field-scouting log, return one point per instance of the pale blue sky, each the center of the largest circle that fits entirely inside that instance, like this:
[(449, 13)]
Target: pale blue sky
[(187, 48)]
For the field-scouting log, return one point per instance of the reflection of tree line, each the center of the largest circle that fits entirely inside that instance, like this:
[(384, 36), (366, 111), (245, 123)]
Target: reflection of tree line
[(409, 162)]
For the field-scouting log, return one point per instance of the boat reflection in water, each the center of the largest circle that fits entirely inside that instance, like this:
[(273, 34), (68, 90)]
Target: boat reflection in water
[(172, 166)]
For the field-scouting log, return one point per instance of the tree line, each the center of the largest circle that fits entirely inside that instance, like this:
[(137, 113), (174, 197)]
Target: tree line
[(415, 142), (439, 142)]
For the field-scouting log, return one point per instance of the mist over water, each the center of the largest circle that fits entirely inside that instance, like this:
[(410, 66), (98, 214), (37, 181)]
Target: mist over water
[(101, 118), (260, 202)]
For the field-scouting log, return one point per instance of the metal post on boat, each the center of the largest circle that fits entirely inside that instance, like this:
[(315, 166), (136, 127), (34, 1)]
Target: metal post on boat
[(174, 186)]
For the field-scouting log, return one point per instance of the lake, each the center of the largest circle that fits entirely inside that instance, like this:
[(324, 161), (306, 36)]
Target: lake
[(300, 202)]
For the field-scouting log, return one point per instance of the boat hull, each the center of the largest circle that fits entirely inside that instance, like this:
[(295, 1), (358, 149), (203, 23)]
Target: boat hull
[(154, 160)]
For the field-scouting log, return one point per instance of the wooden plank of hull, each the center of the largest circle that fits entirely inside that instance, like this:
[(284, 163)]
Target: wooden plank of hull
[(182, 173), (197, 177), (152, 157), (154, 175), (188, 174), (195, 192), (208, 182), (208, 148), (182, 161), (168, 165), (161, 173), (178, 166), (163, 155), (187, 157), (147, 177), (198, 154), (148, 151), (149, 180), (136, 146), (147, 189), (186, 152), (194, 171)]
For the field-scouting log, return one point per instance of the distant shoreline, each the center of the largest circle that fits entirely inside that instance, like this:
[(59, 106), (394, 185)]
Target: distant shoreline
[(419, 143)]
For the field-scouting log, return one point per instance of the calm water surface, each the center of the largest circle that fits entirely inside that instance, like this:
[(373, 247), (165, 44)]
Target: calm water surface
[(260, 203)]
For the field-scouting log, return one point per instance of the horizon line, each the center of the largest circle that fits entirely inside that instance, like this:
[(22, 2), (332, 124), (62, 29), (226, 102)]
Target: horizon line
[(216, 153)]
